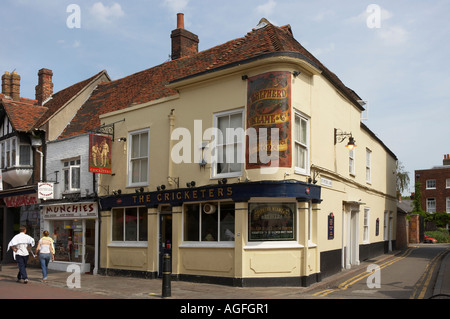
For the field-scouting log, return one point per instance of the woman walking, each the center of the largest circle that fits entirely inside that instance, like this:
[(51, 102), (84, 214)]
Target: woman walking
[(46, 251)]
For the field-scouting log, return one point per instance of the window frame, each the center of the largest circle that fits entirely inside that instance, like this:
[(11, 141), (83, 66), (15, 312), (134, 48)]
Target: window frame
[(124, 242), (368, 166), (130, 182), (430, 202), (366, 225), (351, 162), (69, 169), (305, 146), (430, 186), (11, 155), (214, 156), (206, 243)]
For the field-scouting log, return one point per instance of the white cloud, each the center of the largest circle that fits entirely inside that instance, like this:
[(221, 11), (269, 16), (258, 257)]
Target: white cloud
[(394, 35), (177, 6), (105, 14), (267, 8)]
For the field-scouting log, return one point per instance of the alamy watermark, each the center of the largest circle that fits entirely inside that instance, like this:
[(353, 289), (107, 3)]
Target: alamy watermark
[(74, 279), (373, 20), (227, 147), (74, 19), (374, 279)]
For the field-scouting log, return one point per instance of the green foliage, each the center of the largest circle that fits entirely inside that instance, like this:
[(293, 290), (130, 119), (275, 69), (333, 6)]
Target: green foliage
[(441, 235), (416, 202)]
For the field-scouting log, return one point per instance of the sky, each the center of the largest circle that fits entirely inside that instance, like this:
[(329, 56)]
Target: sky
[(394, 54)]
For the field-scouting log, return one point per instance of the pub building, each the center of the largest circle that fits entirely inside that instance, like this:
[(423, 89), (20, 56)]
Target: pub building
[(233, 161)]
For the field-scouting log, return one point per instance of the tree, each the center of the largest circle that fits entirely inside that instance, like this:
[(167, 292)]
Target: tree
[(402, 178)]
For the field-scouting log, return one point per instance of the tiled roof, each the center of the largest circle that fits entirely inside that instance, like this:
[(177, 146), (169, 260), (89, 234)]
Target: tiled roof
[(59, 99), (151, 84), (23, 114)]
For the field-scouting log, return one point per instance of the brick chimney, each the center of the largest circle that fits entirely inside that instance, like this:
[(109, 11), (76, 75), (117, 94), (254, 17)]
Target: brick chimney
[(184, 42), (446, 160), (6, 84), (44, 89), (15, 86)]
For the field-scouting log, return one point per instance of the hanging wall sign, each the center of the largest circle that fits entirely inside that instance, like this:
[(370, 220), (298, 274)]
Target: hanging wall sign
[(269, 111), (331, 226), (45, 191), (100, 154)]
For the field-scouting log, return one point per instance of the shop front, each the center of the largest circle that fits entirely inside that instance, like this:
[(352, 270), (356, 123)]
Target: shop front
[(240, 234), (18, 207), (74, 229)]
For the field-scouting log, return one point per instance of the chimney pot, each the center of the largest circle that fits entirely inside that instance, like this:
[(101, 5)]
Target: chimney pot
[(184, 42), (180, 20)]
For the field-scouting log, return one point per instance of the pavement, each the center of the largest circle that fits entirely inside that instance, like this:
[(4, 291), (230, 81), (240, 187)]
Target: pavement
[(115, 287)]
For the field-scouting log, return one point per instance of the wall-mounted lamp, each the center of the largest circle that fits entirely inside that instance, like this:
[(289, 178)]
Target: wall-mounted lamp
[(122, 139), (190, 184), (296, 73), (340, 136), (117, 192), (223, 181), (139, 190), (161, 187), (244, 77)]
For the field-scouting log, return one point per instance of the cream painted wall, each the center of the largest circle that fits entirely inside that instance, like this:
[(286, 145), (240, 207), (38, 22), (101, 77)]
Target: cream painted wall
[(314, 97)]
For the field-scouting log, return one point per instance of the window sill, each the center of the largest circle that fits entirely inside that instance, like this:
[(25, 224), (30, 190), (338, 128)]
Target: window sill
[(204, 244), (273, 245), (128, 244)]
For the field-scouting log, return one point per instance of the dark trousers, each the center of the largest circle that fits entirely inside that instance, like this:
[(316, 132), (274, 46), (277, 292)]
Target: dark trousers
[(22, 263)]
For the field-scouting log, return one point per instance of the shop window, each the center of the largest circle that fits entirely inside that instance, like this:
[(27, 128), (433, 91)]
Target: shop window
[(209, 222), (68, 240), (271, 222), (228, 156), (129, 224), (71, 170)]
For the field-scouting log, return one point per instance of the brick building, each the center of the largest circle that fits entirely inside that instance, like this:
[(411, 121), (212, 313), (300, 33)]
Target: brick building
[(435, 187)]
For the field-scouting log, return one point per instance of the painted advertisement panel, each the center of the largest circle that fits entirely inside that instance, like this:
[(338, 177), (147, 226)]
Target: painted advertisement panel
[(269, 120)]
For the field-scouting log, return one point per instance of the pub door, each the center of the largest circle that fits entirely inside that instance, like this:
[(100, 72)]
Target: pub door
[(165, 235)]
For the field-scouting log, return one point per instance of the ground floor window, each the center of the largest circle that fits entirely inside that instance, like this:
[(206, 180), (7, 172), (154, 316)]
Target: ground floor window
[(68, 239), (129, 224), (271, 221), (209, 221)]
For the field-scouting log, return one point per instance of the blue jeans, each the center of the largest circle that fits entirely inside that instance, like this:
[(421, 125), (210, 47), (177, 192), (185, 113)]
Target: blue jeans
[(44, 259), (22, 263)]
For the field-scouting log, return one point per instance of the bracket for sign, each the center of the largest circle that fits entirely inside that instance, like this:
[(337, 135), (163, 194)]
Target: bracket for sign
[(106, 129)]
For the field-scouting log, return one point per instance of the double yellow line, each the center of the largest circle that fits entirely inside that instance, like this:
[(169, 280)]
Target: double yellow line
[(351, 281), (420, 288)]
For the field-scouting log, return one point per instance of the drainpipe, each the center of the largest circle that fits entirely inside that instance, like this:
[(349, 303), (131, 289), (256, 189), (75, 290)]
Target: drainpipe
[(41, 170), (171, 126), (36, 141)]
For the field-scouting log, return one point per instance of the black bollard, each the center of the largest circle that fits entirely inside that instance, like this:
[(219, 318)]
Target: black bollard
[(166, 273)]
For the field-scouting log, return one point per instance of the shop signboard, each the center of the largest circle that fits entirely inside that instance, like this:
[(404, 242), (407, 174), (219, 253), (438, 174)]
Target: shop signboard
[(269, 117), (67, 211), (331, 226), (100, 154), (21, 200), (271, 221), (45, 191)]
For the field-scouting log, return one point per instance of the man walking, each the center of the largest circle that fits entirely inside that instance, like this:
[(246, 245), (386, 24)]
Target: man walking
[(19, 244)]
